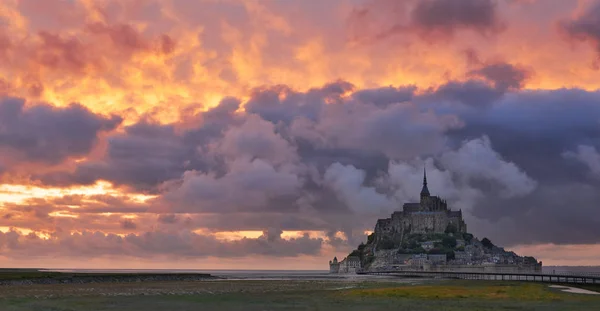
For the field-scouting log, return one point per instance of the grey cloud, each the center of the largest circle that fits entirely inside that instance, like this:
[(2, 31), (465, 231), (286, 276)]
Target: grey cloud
[(561, 214), (148, 154), (471, 93), (385, 96), (504, 76), (447, 16), (48, 134), (347, 182), (587, 155), (431, 20), (336, 159), (157, 243), (128, 224), (534, 128), (143, 156), (398, 131), (280, 103), (247, 186), (256, 138), (167, 218), (476, 160)]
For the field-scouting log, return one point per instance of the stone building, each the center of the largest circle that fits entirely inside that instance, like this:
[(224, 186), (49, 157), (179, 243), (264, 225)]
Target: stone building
[(437, 259), (334, 266), (418, 260), (349, 264), (430, 215)]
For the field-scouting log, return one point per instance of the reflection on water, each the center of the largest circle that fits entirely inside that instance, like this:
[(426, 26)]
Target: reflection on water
[(228, 274), (288, 274)]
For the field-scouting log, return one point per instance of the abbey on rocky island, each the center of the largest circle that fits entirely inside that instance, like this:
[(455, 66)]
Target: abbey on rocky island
[(430, 236)]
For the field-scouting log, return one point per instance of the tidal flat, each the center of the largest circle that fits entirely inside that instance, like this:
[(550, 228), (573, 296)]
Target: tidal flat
[(334, 294)]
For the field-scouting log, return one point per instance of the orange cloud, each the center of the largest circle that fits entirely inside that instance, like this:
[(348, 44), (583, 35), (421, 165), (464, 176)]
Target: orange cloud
[(150, 57)]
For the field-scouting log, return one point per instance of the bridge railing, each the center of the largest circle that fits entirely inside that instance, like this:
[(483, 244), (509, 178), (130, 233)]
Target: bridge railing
[(413, 270)]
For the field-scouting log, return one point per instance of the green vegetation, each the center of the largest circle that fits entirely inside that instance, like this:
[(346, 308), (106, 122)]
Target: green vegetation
[(478, 290), (335, 295), (449, 241), (451, 228), (529, 260), (467, 237)]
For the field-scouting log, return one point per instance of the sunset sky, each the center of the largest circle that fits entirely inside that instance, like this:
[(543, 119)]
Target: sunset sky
[(272, 134)]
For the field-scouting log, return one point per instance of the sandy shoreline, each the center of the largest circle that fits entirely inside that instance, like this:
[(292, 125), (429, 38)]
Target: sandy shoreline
[(574, 290)]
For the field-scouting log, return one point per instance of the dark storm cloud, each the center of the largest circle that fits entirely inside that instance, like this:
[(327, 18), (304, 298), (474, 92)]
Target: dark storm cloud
[(48, 134), (148, 153), (384, 96), (534, 129), (504, 76), (563, 213), (447, 16), (530, 131), (471, 93), (585, 27), (431, 20), (281, 103)]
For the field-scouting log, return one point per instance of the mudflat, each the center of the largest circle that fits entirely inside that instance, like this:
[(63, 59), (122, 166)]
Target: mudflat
[(335, 294)]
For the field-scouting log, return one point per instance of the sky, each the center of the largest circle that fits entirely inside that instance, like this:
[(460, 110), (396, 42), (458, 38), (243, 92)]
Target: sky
[(273, 134)]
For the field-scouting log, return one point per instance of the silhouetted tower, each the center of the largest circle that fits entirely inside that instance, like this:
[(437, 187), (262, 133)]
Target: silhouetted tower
[(425, 190)]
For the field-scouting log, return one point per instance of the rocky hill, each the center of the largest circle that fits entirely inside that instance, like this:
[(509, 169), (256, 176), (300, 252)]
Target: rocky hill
[(414, 250)]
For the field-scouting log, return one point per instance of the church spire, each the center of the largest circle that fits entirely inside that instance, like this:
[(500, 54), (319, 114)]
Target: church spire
[(425, 190)]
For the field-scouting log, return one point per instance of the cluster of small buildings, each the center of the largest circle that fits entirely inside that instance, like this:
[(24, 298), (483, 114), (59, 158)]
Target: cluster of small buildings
[(420, 260)]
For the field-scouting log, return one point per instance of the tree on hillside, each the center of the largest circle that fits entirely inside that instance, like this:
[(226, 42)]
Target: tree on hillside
[(487, 243), (355, 252), (386, 243), (449, 241), (467, 237), (370, 238), (451, 228)]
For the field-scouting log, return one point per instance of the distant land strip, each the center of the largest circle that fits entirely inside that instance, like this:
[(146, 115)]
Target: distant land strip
[(16, 277)]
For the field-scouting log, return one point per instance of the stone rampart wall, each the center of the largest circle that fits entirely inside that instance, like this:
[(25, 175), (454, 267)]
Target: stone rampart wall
[(485, 268)]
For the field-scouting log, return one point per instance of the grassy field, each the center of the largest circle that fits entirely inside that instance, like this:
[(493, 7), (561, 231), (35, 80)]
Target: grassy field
[(295, 295)]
